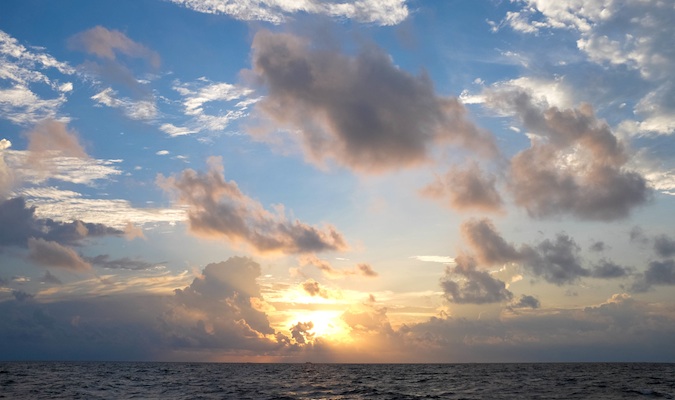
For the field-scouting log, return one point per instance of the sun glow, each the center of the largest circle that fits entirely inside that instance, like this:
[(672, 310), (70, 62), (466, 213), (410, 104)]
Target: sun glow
[(328, 324)]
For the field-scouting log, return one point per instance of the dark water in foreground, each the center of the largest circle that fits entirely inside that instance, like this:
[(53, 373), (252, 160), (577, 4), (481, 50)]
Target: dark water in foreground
[(97, 380)]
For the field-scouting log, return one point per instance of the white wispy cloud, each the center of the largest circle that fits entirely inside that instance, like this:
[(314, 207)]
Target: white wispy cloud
[(66, 205), (134, 109), (83, 171), (20, 70), (380, 12), (198, 99)]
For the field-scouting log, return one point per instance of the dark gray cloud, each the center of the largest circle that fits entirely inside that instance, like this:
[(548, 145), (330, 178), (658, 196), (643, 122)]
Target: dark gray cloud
[(104, 261), (575, 164), (664, 246), (556, 261), (475, 287), (607, 269), (658, 273), (527, 301), (218, 209), (18, 223), (466, 189), (361, 111)]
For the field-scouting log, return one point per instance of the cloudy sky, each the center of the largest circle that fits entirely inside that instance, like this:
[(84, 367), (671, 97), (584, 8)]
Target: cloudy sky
[(337, 180)]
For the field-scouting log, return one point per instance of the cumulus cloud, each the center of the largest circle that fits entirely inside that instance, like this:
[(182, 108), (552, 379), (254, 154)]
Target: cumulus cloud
[(490, 248), (557, 261), (635, 35), (52, 254), (360, 111), (302, 332), (331, 272), (575, 164), (658, 273), (466, 189), (664, 246), (218, 209), (476, 287), (527, 301), (108, 44), (608, 269), (220, 309), (380, 12)]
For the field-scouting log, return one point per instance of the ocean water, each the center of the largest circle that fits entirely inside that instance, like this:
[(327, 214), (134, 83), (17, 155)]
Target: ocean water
[(121, 380)]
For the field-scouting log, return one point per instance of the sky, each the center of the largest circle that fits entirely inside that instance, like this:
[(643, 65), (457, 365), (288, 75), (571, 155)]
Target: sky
[(337, 181)]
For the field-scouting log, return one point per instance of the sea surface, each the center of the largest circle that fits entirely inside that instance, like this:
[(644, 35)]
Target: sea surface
[(134, 380)]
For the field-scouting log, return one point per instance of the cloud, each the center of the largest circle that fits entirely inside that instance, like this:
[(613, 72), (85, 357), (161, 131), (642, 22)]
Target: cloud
[(380, 12), (108, 44), (302, 332), (664, 246), (135, 109), (329, 271), (6, 173), (198, 105), (104, 261), (466, 189), (220, 309), (490, 248), (218, 209), (23, 70), (527, 301), (360, 111), (658, 273), (556, 261), (68, 205), (21, 296), (476, 287), (313, 288), (50, 278), (50, 139), (620, 33), (575, 164), (18, 225), (20, 105), (608, 269), (52, 254)]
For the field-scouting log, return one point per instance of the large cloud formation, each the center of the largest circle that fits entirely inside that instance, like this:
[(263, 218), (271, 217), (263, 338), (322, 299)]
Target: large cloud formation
[(217, 208), (632, 34), (360, 111), (575, 164)]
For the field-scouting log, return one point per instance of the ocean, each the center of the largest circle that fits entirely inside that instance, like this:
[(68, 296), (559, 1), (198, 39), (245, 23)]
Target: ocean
[(140, 380)]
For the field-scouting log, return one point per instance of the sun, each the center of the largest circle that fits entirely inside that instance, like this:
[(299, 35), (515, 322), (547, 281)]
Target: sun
[(328, 324)]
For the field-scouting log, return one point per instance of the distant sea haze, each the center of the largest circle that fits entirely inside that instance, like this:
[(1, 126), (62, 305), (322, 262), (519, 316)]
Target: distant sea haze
[(116, 380)]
